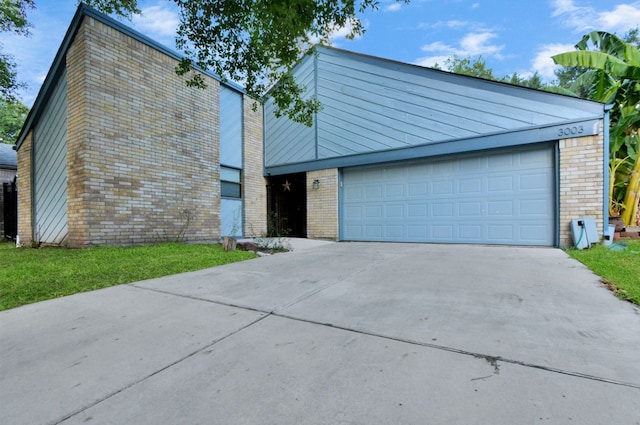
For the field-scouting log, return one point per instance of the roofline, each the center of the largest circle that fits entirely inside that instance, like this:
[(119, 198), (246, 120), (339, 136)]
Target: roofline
[(501, 86), (58, 63), (519, 137)]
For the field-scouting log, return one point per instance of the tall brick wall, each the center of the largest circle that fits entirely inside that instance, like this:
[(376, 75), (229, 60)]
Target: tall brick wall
[(254, 187), (581, 182), (143, 149), (322, 204), (25, 220)]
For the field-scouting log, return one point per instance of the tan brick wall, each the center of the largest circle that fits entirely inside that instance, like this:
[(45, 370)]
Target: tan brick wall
[(581, 182), (25, 221), (322, 204), (255, 193), (143, 148)]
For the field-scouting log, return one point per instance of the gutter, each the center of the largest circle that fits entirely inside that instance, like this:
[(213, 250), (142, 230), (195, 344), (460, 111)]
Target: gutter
[(605, 165)]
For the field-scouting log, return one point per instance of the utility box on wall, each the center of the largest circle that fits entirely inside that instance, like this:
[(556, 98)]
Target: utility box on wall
[(584, 232)]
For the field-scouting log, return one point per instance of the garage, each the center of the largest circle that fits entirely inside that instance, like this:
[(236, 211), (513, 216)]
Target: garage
[(504, 196), (403, 153)]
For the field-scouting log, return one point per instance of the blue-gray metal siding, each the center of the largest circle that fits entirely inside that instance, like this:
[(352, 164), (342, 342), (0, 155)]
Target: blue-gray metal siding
[(231, 210), (230, 127), (494, 197), (231, 222), (50, 168), (289, 141), (372, 105)]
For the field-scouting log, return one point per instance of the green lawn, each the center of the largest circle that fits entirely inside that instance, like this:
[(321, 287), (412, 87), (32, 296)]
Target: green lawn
[(29, 275), (619, 269)]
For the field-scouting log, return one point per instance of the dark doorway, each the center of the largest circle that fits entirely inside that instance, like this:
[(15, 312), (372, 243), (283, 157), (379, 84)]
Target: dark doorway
[(10, 213), (287, 205)]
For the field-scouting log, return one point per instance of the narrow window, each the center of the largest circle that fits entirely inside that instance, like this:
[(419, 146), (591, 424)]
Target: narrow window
[(231, 182)]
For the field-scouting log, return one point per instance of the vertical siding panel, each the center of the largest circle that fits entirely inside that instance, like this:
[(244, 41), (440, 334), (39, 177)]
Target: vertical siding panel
[(50, 172), (230, 127), (285, 140), (231, 117)]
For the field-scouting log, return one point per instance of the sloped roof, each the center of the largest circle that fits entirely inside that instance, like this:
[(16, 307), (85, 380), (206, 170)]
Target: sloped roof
[(8, 156), (59, 62), (372, 105)]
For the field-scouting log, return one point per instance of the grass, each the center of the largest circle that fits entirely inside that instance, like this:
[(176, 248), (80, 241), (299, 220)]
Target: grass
[(29, 275), (620, 270)]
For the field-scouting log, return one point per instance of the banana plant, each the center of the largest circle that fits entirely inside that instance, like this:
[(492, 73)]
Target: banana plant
[(613, 77), (632, 196)]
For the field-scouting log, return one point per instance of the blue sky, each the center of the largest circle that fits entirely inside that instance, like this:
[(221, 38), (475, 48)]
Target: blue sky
[(511, 35)]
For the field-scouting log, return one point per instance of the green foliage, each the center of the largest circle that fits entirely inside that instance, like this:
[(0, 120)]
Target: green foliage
[(619, 269), (13, 18), (612, 75), (12, 116), (477, 67), (29, 275), (124, 8), (259, 42)]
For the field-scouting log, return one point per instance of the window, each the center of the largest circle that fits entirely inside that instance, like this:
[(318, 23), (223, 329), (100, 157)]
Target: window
[(230, 182)]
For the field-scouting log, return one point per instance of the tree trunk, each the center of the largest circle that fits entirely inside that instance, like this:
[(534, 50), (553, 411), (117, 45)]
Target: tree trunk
[(631, 198)]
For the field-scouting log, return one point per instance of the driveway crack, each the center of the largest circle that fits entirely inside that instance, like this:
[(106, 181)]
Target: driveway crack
[(156, 372), (492, 360)]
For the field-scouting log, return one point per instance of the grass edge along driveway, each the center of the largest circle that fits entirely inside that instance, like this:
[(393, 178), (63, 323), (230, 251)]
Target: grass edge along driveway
[(30, 275), (620, 270)]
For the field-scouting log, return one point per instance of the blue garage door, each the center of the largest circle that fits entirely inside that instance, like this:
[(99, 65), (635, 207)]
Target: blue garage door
[(497, 197)]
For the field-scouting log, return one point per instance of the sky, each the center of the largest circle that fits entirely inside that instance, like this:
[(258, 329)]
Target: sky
[(510, 35)]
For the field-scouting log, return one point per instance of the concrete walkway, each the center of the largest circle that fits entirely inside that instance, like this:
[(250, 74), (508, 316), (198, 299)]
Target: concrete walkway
[(333, 333)]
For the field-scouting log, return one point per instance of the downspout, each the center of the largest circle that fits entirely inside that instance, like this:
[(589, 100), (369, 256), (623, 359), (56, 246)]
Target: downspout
[(605, 215)]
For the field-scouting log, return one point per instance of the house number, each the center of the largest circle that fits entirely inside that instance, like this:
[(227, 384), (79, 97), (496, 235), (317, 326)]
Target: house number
[(570, 131)]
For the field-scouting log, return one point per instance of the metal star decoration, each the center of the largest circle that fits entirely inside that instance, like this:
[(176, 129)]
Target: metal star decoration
[(286, 186)]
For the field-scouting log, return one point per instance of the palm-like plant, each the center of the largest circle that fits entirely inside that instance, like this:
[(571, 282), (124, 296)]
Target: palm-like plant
[(612, 76)]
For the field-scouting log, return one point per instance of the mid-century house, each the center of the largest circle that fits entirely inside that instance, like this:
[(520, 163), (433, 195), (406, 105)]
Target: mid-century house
[(8, 169), (118, 150), (410, 154)]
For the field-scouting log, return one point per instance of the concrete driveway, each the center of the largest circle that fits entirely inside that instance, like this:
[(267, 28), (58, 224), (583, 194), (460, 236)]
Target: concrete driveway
[(343, 333)]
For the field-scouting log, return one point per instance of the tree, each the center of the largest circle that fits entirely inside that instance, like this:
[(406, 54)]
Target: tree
[(257, 42), (568, 75), (13, 18), (477, 67), (12, 116), (612, 76), (254, 42)]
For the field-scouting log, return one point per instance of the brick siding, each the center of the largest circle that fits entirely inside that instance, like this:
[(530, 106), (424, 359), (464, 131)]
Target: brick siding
[(581, 183), (143, 162), (255, 194), (322, 204), (25, 221)]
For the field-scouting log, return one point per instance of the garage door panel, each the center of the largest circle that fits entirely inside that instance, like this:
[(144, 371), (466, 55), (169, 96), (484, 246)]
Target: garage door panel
[(534, 181), (470, 209), (500, 183), (504, 198)]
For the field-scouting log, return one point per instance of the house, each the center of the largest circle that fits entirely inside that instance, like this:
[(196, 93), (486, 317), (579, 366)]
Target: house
[(8, 167), (118, 150), (405, 153)]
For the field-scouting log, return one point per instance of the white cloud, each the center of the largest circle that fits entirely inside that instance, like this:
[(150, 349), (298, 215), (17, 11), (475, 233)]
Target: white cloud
[(543, 62), (158, 21), (475, 44), (438, 46), (475, 5), (472, 44), (393, 7), (624, 16), (585, 18), (430, 61)]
